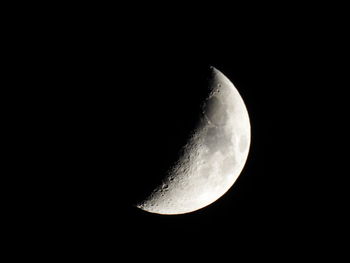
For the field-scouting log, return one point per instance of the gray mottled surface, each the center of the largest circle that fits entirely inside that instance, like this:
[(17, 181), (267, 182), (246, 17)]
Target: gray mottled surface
[(213, 157)]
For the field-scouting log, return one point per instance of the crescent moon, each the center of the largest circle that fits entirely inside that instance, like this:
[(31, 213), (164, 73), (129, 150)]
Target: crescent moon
[(213, 157)]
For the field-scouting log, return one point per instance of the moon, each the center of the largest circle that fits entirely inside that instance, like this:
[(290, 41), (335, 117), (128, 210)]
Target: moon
[(213, 157)]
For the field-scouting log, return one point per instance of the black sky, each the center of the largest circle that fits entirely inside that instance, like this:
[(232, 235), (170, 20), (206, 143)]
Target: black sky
[(140, 110), (119, 99)]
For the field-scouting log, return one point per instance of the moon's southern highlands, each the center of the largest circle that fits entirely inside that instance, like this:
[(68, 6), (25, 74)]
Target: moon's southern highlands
[(213, 157)]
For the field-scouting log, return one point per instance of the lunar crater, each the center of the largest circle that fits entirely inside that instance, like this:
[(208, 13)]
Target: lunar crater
[(215, 111)]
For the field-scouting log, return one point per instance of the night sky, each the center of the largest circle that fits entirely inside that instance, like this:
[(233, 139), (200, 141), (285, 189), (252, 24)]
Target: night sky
[(134, 117), (123, 98)]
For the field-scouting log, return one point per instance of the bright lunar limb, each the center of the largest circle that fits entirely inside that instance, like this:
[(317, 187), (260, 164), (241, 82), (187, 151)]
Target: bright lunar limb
[(213, 157)]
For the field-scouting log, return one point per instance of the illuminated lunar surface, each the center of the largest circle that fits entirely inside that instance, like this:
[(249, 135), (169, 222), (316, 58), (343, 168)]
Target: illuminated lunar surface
[(213, 157)]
